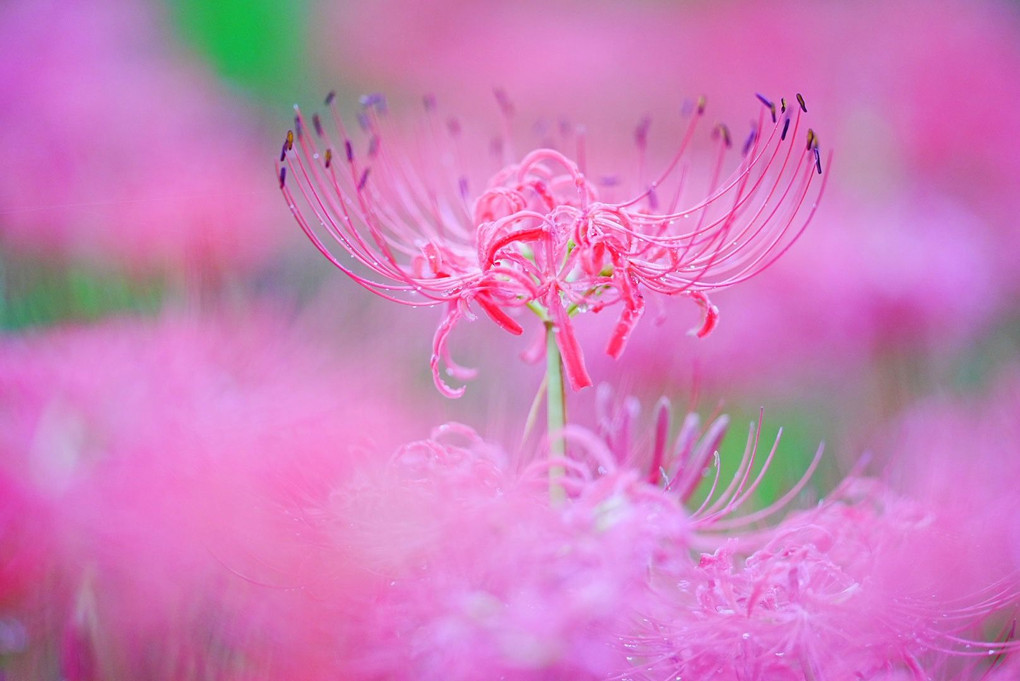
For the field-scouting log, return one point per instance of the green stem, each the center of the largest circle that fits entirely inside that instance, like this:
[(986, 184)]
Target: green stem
[(556, 411)]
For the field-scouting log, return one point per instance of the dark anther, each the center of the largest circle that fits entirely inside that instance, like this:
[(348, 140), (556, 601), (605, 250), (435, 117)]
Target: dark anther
[(818, 160), (349, 149), (782, 105), (330, 97), (800, 100), (363, 180), (749, 141), (768, 103), (724, 132), (283, 176), (373, 101), (786, 126), (701, 105), (641, 132), (317, 123), (329, 157), (283, 151), (812, 139), (298, 128), (505, 105)]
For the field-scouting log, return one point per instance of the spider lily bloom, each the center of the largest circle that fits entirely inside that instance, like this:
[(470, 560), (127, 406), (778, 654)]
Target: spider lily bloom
[(541, 235)]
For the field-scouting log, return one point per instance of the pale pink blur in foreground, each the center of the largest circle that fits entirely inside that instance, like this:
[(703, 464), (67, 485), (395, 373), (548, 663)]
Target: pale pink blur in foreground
[(962, 455), (121, 150), (155, 477), (186, 498), (469, 571)]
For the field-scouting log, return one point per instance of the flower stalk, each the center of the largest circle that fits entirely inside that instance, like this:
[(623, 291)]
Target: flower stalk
[(556, 411)]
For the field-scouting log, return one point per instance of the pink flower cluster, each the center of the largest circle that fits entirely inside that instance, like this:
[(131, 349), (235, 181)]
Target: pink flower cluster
[(540, 234), (471, 568)]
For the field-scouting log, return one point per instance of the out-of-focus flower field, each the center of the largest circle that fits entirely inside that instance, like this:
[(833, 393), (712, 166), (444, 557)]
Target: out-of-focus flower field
[(221, 458)]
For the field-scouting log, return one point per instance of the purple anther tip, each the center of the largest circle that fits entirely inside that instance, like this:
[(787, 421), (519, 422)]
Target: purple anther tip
[(349, 150), (641, 132), (363, 180), (373, 100), (749, 141), (800, 100), (330, 97), (505, 105), (769, 104), (283, 176), (317, 123)]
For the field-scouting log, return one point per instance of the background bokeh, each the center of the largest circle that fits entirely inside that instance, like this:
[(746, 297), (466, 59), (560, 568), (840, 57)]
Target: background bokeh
[(161, 310)]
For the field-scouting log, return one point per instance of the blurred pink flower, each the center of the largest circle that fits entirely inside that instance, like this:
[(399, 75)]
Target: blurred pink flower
[(962, 456), (543, 234), (121, 149), (470, 570), (144, 469)]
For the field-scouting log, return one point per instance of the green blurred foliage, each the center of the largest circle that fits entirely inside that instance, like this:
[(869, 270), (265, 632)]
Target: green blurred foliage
[(259, 45), (38, 292)]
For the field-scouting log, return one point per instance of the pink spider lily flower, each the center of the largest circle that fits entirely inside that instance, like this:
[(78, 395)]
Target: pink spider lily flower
[(541, 234)]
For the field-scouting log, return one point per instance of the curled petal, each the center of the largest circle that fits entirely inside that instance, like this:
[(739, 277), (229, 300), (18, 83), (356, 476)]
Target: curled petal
[(497, 315), (709, 312), (488, 250), (634, 307), (570, 349), (440, 352)]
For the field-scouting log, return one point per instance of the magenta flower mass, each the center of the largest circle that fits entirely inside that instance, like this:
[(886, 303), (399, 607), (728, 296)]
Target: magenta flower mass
[(219, 465), (542, 234)]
